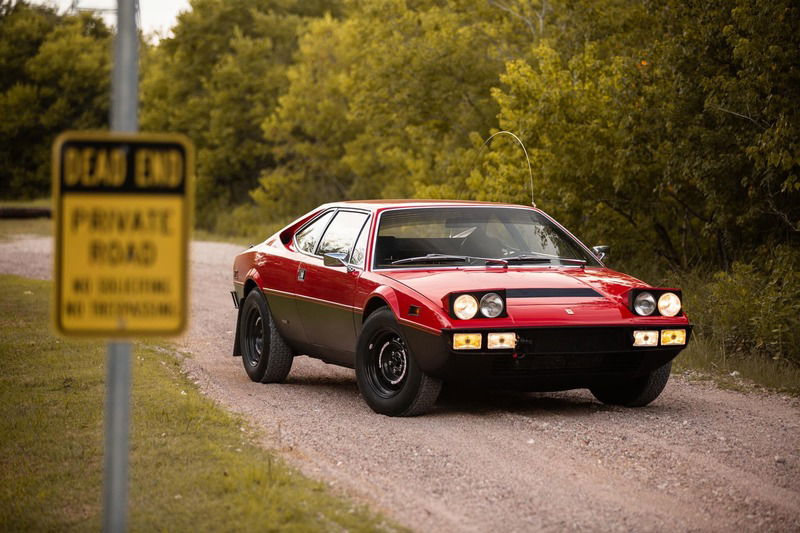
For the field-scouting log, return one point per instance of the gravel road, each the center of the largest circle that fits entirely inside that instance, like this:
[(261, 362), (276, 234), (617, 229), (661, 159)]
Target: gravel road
[(697, 459)]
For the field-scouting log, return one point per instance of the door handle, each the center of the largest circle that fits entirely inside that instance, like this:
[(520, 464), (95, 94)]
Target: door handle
[(301, 274)]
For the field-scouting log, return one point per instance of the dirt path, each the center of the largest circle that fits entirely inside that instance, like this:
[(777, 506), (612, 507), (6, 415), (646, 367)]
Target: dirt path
[(699, 458)]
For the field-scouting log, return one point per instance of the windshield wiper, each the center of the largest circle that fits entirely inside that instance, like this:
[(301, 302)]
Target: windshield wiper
[(435, 258), (541, 258)]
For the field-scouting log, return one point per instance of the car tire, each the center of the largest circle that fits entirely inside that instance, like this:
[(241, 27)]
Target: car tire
[(387, 373), (265, 355), (637, 393)]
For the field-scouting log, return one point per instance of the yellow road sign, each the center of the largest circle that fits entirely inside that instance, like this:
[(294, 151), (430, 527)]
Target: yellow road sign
[(123, 205)]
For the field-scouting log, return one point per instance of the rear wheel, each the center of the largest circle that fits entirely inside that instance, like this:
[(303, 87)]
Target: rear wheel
[(266, 356), (387, 373), (637, 393)]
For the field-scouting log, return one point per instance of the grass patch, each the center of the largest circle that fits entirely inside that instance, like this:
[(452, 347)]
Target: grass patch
[(14, 227), (39, 202), (192, 467), (11, 227), (728, 370)]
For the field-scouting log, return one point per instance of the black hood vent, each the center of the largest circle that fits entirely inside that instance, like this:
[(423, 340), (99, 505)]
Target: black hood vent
[(552, 293)]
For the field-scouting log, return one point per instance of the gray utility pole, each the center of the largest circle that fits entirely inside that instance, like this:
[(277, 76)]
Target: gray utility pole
[(125, 81), (124, 118)]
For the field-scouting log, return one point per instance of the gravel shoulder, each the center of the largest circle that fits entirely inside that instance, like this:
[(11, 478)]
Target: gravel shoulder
[(699, 458)]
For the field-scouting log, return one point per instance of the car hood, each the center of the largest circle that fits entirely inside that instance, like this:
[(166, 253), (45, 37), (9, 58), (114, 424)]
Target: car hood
[(607, 303)]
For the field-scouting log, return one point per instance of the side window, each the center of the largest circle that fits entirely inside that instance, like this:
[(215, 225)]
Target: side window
[(360, 250), (308, 237), (341, 233)]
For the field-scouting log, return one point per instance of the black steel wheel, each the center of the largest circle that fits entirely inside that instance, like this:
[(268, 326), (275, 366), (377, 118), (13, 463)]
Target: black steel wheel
[(388, 376), (254, 335), (388, 365), (265, 355)]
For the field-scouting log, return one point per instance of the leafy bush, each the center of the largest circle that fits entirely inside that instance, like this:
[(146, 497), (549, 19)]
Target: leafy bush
[(751, 310)]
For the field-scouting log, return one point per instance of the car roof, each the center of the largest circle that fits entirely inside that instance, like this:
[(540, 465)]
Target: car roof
[(379, 205)]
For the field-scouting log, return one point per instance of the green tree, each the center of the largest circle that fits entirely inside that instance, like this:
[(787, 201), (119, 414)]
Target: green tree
[(311, 125), (683, 148), (383, 101), (216, 80), (55, 76)]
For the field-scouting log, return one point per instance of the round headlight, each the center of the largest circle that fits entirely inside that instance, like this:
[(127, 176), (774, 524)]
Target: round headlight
[(491, 305), (465, 306), (669, 304), (644, 304)]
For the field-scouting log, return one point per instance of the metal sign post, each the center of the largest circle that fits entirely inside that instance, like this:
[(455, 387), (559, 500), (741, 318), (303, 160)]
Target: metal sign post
[(122, 209), (122, 219), (124, 118), (118, 392)]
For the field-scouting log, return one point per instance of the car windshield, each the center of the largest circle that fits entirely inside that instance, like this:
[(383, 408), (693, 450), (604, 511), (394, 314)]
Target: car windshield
[(465, 235)]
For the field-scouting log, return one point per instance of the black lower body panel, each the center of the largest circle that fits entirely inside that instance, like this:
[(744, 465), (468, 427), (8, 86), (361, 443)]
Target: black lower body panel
[(546, 359)]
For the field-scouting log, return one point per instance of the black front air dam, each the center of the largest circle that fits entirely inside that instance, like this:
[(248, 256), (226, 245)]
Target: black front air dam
[(546, 359)]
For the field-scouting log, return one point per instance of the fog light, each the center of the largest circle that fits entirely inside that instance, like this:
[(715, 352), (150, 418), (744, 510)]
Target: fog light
[(501, 341), (645, 338), (467, 341), (673, 337)]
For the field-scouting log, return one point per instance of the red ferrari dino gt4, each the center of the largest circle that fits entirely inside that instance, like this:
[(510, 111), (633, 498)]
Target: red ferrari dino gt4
[(413, 293)]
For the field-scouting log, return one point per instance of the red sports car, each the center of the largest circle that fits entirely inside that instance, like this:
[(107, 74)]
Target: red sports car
[(413, 293)]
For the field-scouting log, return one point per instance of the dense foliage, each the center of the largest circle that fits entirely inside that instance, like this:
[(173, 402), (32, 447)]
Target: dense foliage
[(666, 128), (216, 80), (54, 76)]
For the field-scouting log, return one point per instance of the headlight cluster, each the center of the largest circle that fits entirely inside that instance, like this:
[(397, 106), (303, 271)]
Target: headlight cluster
[(668, 303), (489, 305)]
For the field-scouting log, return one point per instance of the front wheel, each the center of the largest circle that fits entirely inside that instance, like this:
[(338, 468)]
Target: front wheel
[(387, 373), (637, 393), (266, 356)]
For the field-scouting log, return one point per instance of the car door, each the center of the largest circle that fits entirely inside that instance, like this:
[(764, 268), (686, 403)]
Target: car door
[(326, 293), (282, 274)]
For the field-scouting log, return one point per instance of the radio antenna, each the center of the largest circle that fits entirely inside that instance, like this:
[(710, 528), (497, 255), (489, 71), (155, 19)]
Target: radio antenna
[(528, 159)]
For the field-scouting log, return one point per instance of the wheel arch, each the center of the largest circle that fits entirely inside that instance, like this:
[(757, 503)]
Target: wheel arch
[(373, 304), (249, 285)]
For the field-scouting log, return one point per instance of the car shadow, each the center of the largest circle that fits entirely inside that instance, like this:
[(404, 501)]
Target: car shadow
[(334, 382), (457, 399), (460, 400)]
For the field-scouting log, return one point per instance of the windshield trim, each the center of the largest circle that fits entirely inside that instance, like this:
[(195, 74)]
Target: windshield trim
[(377, 224)]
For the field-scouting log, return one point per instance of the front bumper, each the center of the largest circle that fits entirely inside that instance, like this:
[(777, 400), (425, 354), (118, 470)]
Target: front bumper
[(546, 358)]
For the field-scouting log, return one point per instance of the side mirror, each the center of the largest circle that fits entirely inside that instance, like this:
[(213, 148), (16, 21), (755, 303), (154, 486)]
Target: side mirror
[(601, 252), (334, 259)]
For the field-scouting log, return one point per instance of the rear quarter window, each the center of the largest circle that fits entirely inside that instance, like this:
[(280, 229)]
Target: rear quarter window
[(308, 237)]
